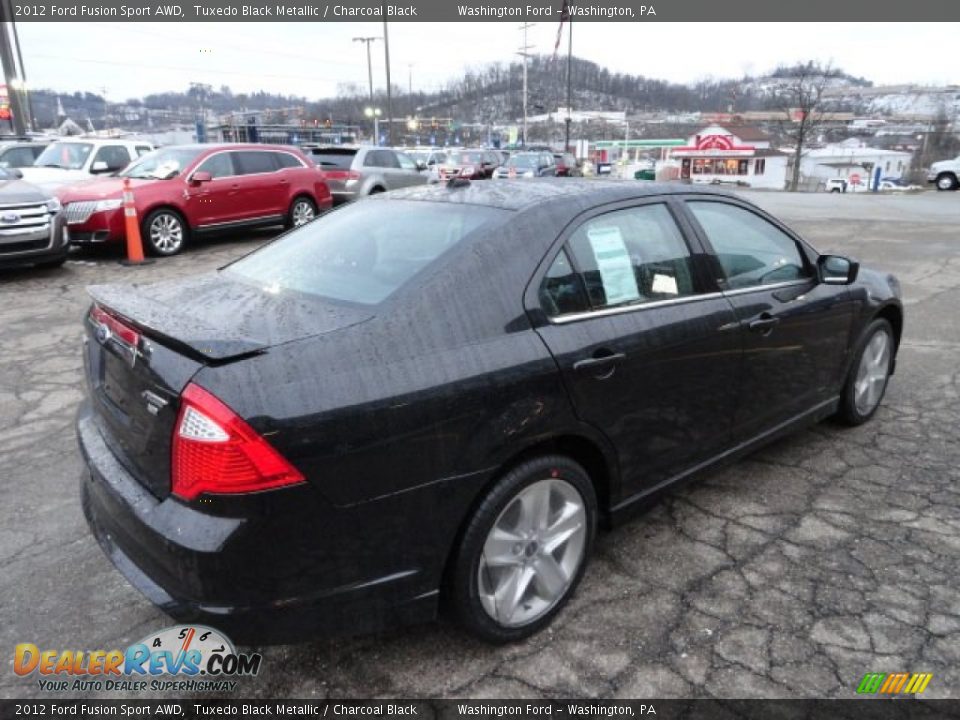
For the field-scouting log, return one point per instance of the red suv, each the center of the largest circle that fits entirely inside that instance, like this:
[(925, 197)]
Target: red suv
[(190, 189)]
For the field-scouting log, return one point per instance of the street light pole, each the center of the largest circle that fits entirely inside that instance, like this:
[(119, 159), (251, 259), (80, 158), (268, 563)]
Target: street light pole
[(386, 59), (523, 52), (367, 41)]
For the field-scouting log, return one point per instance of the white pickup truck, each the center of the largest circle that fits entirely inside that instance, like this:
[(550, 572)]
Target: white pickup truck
[(946, 174)]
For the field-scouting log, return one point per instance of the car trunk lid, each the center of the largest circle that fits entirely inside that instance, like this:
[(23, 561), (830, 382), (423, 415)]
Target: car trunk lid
[(144, 344)]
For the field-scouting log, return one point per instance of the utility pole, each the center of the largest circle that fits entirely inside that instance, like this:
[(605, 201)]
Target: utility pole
[(566, 142), (523, 53), (386, 59), (409, 78), (14, 83), (367, 41)]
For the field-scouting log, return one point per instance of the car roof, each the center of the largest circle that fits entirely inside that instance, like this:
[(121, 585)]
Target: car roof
[(519, 194)]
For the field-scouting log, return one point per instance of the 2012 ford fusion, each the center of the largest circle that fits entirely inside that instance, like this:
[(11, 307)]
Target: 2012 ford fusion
[(435, 397)]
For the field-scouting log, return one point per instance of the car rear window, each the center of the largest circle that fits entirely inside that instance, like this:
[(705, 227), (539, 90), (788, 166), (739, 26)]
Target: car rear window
[(364, 252), (334, 158)]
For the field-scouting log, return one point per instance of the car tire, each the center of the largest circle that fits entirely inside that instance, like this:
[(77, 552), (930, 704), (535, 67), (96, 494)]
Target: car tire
[(375, 190), (869, 374), (541, 515), (302, 210), (947, 181), (164, 232)]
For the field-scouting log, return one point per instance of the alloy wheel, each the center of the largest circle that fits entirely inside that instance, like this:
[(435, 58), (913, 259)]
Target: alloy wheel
[(532, 553), (302, 213), (166, 233), (872, 373)]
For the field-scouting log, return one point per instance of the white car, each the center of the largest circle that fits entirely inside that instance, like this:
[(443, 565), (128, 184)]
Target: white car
[(71, 160), (946, 174)]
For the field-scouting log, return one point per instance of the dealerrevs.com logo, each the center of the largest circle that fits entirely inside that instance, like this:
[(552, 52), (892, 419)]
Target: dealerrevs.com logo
[(182, 658)]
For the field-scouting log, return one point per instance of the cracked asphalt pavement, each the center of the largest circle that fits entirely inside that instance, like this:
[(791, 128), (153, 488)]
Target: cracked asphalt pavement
[(827, 555)]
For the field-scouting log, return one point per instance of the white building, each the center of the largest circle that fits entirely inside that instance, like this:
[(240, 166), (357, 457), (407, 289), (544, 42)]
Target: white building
[(735, 154), (852, 161)]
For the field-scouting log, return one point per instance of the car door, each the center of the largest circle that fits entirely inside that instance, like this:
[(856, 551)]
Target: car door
[(642, 343), (260, 191), (215, 201), (408, 172), (794, 329)]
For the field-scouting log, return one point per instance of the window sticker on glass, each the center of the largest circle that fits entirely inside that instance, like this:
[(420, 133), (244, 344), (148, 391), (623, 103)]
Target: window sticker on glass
[(664, 284), (614, 265)]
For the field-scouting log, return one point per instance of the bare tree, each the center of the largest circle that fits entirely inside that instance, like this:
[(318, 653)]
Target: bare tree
[(800, 98)]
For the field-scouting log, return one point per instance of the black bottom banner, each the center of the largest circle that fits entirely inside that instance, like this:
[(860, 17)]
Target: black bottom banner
[(707, 709)]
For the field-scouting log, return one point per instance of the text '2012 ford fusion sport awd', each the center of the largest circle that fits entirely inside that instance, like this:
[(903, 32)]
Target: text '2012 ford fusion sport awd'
[(435, 396)]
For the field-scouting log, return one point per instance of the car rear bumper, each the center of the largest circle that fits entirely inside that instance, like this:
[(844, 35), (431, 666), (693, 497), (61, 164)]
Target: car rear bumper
[(28, 247), (225, 571)]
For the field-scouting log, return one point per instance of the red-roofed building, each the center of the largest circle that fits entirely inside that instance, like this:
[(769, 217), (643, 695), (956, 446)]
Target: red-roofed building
[(736, 154)]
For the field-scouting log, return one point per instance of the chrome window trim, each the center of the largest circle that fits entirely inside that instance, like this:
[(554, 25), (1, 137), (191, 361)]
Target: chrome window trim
[(622, 309), (771, 286), (189, 177)]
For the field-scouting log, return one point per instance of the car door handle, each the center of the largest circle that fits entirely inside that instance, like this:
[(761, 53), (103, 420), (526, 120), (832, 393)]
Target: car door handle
[(764, 324), (601, 360)]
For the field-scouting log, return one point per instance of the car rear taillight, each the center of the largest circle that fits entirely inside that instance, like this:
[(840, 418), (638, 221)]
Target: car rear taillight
[(215, 451), (341, 174), (117, 328)]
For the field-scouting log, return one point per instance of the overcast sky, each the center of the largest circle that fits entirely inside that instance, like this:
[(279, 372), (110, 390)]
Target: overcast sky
[(312, 59)]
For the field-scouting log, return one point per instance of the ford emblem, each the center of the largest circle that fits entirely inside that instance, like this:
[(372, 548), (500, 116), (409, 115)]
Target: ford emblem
[(9, 218)]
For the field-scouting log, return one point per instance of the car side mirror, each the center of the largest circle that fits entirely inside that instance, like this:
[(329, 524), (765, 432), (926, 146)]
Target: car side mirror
[(837, 270), (200, 176), (15, 172), (421, 165)]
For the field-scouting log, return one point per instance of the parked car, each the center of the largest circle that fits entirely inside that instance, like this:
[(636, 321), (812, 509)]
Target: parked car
[(528, 165), (192, 189), (357, 171), (441, 392), (945, 174), (896, 185), (31, 224), (567, 165), (68, 161), (836, 185), (20, 153), (469, 164)]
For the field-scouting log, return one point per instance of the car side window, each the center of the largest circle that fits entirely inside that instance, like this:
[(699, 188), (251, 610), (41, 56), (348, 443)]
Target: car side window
[(374, 158), (405, 162), (633, 256), (219, 165), (562, 291), (18, 157), (751, 251), (252, 162), (115, 156), (287, 160)]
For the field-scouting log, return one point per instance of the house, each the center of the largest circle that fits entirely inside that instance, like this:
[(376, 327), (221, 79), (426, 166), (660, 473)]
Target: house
[(732, 154), (851, 159)]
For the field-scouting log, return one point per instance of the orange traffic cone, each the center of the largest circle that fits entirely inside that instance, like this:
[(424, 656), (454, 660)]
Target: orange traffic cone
[(132, 229)]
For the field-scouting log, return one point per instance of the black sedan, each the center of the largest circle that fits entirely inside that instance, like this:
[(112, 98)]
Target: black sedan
[(438, 394)]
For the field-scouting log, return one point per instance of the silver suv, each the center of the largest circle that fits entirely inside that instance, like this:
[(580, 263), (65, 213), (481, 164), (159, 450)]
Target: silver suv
[(354, 172), (31, 224)]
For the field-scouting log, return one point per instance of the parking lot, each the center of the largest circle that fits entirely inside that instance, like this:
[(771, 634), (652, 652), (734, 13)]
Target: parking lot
[(825, 556)]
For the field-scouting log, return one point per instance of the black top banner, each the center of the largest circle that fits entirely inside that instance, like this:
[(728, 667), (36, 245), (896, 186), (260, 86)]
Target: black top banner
[(712, 709), (488, 10)]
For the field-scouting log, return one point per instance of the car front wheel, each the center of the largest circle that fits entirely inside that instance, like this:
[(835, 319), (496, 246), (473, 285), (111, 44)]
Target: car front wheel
[(947, 182), (868, 376), (164, 232), (524, 549)]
